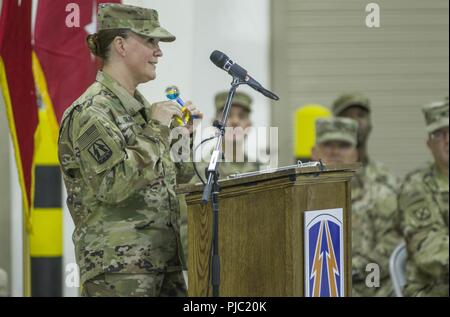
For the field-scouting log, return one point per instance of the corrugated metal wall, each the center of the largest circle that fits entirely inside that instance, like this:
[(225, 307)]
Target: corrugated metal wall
[(322, 48)]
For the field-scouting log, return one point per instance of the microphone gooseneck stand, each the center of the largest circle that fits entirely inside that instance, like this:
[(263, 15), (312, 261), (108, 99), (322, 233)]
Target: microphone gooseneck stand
[(212, 187)]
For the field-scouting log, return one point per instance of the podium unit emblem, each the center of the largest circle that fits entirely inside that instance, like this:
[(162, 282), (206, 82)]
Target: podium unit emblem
[(324, 253)]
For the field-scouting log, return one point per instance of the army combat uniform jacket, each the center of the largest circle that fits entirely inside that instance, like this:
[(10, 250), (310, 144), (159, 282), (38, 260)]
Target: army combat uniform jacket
[(374, 234), (120, 183), (423, 208), (374, 171)]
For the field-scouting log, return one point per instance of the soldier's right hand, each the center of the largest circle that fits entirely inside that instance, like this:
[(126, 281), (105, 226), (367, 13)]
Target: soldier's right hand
[(164, 112)]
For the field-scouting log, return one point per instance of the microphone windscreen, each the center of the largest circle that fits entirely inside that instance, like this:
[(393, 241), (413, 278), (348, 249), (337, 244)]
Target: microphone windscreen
[(219, 58)]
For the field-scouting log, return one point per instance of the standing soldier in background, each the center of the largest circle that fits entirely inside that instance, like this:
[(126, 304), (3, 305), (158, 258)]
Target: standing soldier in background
[(373, 207), (114, 150), (239, 120), (423, 211), (357, 107), (236, 160)]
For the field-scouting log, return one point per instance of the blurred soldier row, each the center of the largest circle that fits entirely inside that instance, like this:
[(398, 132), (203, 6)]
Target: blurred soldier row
[(384, 211)]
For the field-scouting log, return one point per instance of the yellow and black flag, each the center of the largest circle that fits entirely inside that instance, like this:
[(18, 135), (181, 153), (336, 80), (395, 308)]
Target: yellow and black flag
[(18, 91), (63, 69)]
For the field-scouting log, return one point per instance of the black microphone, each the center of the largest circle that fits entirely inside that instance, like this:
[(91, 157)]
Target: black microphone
[(224, 62)]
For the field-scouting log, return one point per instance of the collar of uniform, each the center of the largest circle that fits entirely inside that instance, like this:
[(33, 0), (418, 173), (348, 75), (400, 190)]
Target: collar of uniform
[(131, 105), (141, 99)]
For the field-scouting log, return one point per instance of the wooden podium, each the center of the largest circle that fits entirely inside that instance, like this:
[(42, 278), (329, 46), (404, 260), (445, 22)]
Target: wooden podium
[(261, 229)]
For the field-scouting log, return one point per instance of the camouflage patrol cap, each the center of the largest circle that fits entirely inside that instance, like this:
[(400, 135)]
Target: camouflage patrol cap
[(436, 115), (346, 101), (336, 129), (142, 21), (239, 98)]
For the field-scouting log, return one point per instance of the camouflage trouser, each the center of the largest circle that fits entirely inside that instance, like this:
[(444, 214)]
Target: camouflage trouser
[(162, 284)]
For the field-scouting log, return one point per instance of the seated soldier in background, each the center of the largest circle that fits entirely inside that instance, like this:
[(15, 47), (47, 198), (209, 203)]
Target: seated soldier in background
[(423, 212), (357, 106), (373, 206)]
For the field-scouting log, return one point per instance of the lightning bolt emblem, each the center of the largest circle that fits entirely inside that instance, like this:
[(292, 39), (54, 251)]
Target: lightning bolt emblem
[(317, 264), (331, 264)]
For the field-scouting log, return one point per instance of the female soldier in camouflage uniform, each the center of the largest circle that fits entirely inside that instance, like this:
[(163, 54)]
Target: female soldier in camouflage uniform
[(114, 151)]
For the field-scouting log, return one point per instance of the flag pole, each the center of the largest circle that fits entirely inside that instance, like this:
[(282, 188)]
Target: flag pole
[(26, 255)]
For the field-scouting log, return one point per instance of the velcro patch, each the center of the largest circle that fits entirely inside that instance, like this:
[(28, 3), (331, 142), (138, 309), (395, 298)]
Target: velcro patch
[(89, 136), (100, 151)]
